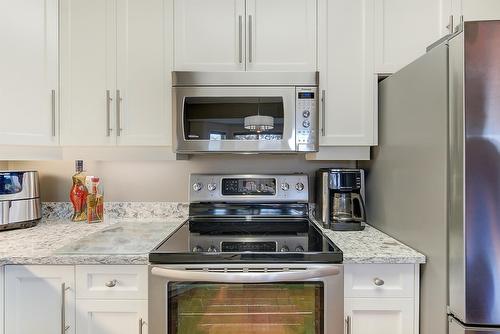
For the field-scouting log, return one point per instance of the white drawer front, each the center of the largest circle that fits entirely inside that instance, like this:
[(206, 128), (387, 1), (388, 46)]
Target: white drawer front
[(379, 280), (112, 282)]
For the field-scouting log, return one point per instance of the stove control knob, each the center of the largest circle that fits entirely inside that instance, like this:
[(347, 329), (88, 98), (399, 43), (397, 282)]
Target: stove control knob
[(299, 249), (197, 249), (284, 249), (212, 249), (285, 186), (299, 186), (306, 124), (197, 186), (211, 186)]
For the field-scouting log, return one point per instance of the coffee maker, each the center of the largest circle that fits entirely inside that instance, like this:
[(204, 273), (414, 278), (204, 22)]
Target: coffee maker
[(339, 199)]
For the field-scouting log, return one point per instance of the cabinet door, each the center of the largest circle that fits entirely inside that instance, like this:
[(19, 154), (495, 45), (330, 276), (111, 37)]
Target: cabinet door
[(112, 316), (40, 299), (29, 72), (478, 10), (2, 299), (379, 315), (281, 35), (347, 82), (88, 65), (404, 29), (143, 77), (209, 35)]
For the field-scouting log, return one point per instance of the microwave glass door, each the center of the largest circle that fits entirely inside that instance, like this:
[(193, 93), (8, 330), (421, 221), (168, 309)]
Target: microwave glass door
[(234, 118), (217, 308)]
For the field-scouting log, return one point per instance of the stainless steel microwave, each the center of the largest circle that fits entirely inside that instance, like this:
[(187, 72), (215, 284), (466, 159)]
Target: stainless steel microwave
[(245, 112)]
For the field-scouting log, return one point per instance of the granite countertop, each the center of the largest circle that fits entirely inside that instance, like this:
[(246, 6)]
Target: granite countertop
[(116, 241), (372, 246), (130, 232)]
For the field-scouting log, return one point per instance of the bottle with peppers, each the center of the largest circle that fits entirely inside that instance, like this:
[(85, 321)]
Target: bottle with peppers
[(78, 194), (95, 200)]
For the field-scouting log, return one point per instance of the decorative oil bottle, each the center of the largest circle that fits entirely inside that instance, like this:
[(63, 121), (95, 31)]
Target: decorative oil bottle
[(95, 201), (78, 193)]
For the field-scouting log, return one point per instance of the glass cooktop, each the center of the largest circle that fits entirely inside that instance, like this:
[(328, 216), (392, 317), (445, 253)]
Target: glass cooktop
[(240, 240)]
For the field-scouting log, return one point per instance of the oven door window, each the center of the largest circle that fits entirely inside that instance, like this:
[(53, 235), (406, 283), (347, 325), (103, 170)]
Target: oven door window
[(219, 308), (233, 118)]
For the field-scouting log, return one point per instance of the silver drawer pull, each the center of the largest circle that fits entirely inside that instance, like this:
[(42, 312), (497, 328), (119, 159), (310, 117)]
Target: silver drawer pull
[(111, 283), (378, 282)]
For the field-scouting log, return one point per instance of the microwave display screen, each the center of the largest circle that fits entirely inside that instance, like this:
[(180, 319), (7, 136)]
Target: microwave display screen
[(306, 95), (254, 187)]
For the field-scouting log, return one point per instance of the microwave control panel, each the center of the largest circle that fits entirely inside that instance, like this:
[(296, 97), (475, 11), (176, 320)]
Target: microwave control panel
[(306, 119)]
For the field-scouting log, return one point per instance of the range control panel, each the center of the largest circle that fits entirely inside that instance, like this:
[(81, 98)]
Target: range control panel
[(249, 188), (306, 118)]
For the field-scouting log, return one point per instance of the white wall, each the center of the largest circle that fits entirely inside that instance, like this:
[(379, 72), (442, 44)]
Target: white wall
[(161, 180)]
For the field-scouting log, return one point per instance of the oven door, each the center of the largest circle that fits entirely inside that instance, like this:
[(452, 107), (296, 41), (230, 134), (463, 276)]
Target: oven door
[(246, 299), (234, 119)]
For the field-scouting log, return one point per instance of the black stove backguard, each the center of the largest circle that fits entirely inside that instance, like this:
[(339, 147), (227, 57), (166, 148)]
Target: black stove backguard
[(256, 210)]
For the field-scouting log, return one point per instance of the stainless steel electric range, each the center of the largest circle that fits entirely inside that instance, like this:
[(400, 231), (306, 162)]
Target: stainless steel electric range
[(248, 260)]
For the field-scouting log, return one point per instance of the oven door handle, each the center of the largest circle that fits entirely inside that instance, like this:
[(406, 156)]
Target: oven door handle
[(244, 277)]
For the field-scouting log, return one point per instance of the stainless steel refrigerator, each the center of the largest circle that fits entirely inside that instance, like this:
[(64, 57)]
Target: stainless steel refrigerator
[(434, 180)]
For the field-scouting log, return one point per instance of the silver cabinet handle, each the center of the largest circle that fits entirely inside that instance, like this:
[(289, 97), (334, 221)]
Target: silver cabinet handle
[(347, 321), (250, 37), (450, 25), (240, 32), (118, 113), (109, 99), (323, 113), (53, 104), (245, 277), (141, 324), (64, 327), (378, 282), (111, 284)]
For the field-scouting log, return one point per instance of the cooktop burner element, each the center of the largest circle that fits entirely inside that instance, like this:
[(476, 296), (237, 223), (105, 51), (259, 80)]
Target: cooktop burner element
[(247, 219)]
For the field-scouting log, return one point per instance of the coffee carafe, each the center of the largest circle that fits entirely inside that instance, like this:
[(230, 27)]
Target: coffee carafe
[(339, 200)]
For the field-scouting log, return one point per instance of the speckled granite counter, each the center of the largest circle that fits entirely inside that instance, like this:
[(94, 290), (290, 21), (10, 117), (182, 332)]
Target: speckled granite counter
[(133, 229), (122, 241), (372, 246)]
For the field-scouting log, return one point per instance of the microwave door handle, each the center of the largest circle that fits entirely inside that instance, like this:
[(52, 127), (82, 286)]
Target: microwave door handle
[(245, 277)]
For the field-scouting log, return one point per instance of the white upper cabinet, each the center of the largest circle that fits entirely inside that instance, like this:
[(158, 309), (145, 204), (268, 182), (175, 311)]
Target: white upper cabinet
[(144, 63), (115, 72), (88, 73), (281, 35), (239, 35), (39, 299), (347, 80), (405, 28), (29, 88), (475, 10), (209, 35)]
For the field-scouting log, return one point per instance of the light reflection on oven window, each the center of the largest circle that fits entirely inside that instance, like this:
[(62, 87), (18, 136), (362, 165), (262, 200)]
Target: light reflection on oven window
[(215, 308)]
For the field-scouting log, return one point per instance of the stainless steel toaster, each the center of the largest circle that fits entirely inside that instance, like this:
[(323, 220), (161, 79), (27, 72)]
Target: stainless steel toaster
[(20, 205)]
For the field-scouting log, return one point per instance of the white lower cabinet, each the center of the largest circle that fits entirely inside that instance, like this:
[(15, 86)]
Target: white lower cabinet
[(111, 316), (83, 300), (39, 299), (1, 299), (381, 298), (379, 316), (111, 299)]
